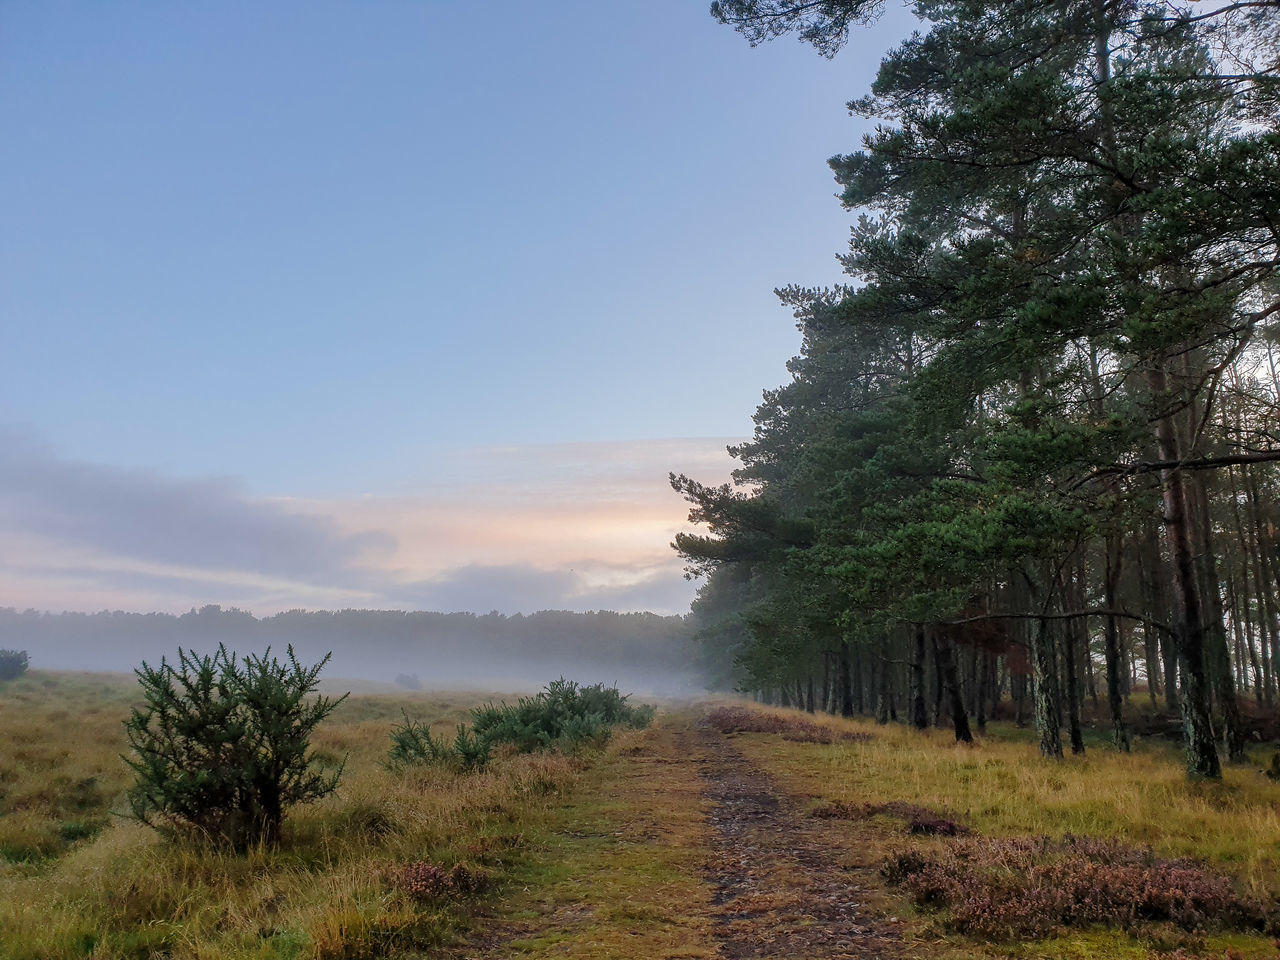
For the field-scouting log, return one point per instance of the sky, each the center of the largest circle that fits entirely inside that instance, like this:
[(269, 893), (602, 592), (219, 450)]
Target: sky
[(393, 304)]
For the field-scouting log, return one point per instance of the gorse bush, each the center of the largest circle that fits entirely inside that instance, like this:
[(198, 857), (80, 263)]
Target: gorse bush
[(13, 664), (412, 743), (563, 716), (221, 746)]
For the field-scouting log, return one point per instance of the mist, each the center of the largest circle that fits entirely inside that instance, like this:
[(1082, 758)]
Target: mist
[(643, 653)]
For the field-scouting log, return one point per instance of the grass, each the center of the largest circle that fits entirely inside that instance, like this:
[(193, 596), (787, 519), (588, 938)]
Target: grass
[(620, 875), (1000, 788), (61, 770), (76, 881), (595, 856)]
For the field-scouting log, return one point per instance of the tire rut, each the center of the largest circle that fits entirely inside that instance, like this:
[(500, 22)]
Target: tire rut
[(780, 890)]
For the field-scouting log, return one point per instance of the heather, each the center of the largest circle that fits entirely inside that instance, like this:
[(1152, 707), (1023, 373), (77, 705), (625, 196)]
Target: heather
[(1019, 888)]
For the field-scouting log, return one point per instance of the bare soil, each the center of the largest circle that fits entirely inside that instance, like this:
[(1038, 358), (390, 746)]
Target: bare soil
[(782, 890)]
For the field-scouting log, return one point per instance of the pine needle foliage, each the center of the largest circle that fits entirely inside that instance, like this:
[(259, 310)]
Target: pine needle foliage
[(221, 745)]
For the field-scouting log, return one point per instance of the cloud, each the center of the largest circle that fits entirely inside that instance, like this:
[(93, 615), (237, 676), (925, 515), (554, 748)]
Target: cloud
[(516, 529), (513, 588), (143, 515), (525, 588)]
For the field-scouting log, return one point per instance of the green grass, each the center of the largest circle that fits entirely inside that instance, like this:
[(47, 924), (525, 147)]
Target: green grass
[(619, 872)]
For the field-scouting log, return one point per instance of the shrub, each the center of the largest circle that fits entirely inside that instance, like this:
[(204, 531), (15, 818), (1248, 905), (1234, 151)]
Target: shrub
[(13, 664), (562, 716), (412, 744), (424, 880), (221, 745)]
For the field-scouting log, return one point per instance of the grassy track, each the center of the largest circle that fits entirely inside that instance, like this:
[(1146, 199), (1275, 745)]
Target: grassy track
[(688, 843), (619, 872)]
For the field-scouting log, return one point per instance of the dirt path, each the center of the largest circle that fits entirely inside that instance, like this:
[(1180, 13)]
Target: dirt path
[(783, 889), (686, 848)]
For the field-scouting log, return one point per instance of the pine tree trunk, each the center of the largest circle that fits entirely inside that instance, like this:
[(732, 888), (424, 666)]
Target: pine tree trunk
[(826, 682), (859, 682), (1216, 634), (919, 711), (883, 689), (1150, 642), (1018, 691), (1070, 660), (939, 682), (1266, 584), (951, 682), (846, 679), (1044, 692), (1202, 750), (984, 690), (1115, 699)]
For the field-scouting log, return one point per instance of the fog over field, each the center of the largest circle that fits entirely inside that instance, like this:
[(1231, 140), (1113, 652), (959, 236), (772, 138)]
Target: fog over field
[(642, 652)]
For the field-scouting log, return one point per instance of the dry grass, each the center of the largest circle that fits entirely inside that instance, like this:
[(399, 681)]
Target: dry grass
[(1000, 788), (620, 876), (117, 890), (544, 856)]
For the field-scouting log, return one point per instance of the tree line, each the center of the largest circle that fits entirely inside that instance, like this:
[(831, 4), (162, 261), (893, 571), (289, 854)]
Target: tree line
[(416, 648), (1029, 450)]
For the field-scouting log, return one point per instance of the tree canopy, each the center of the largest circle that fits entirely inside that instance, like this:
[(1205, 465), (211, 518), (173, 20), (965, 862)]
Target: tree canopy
[(1036, 405)]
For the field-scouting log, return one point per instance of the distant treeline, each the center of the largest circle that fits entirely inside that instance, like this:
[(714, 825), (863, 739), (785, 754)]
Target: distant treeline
[(644, 651)]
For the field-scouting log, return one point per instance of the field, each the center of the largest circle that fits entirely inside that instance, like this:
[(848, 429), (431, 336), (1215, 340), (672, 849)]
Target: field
[(77, 881), (767, 836)]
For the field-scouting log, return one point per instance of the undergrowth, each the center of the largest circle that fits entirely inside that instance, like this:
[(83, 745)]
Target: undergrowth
[(564, 716), (1023, 887), (1186, 868)]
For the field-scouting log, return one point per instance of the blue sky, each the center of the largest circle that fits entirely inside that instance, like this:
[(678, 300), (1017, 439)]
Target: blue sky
[(359, 262)]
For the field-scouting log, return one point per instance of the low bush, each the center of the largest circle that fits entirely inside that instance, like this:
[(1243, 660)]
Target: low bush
[(563, 716), (424, 880), (800, 729), (412, 744), (1021, 888), (221, 745), (13, 664)]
